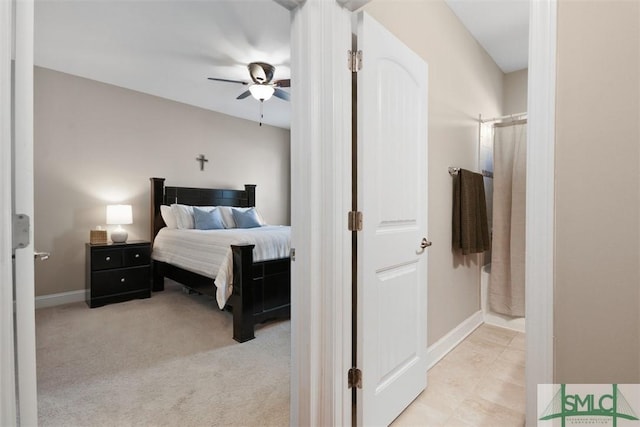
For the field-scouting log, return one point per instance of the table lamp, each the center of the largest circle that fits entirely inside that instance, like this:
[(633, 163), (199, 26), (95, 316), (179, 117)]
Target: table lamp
[(119, 215)]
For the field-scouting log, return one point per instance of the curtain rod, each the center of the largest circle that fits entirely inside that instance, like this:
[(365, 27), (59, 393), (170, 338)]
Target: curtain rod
[(495, 119)]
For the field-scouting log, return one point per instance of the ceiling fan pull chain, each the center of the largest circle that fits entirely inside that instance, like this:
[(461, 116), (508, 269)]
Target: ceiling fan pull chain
[(261, 111)]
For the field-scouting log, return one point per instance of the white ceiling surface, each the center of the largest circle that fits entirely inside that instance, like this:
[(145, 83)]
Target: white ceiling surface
[(169, 48), (500, 26)]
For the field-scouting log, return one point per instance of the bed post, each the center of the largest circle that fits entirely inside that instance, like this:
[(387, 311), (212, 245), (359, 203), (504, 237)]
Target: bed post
[(251, 194), (156, 223), (242, 298), (157, 198)]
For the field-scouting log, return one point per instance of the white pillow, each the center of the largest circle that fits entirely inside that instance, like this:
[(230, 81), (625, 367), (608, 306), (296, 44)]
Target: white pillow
[(227, 216), (168, 216), (184, 216)]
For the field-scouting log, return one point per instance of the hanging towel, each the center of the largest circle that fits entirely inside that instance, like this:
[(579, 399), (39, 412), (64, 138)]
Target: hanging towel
[(470, 225)]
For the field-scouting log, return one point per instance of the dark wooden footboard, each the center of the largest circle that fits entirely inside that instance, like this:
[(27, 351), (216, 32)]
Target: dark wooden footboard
[(264, 291)]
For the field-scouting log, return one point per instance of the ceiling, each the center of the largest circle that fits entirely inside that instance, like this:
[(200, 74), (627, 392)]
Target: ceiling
[(500, 26), (169, 48)]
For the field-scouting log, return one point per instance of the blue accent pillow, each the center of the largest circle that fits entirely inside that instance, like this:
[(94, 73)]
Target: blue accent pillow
[(246, 219), (207, 220)]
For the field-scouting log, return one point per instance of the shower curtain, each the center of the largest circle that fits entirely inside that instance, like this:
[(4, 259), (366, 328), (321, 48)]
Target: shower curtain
[(506, 285)]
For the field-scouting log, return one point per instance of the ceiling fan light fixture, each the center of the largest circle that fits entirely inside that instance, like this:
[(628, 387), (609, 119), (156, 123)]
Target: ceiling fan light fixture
[(261, 92)]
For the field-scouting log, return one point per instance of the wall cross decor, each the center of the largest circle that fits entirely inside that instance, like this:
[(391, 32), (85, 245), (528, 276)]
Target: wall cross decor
[(202, 160)]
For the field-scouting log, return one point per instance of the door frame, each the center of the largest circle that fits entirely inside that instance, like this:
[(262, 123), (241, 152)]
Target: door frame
[(540, 199), (23, 200), (7, 355), (321, 188)]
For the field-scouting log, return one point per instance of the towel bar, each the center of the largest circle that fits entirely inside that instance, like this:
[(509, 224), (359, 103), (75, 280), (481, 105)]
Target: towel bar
[(454, 171)]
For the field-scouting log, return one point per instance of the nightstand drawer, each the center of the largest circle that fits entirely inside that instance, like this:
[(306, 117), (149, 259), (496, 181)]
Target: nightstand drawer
[(120, 281), (140, 255), (103, 259)]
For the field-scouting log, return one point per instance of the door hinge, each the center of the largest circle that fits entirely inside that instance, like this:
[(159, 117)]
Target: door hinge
[(355, 61), (355, 378), (292, 254), (21, 226), (355, 221)]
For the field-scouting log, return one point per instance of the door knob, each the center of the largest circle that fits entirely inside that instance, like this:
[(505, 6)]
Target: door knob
[(425, 243)]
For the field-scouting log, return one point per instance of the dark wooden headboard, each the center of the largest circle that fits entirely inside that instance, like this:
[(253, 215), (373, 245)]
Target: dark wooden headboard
[(161, 195)]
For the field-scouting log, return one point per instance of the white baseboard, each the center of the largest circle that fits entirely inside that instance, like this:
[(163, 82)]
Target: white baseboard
[(52, 300), (444, 345)]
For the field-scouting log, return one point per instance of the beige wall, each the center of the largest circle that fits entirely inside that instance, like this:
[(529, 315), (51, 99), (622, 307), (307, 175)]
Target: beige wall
[(97, 144), (597, 259), (515, 92), (463, 82)]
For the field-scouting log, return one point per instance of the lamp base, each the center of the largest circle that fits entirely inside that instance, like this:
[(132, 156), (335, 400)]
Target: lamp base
[(119, 235)]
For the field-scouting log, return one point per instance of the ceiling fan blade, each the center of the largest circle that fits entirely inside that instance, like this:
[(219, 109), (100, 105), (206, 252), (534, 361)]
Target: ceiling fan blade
[(227, 80), (283, 83), (244, 94), (279, 93)]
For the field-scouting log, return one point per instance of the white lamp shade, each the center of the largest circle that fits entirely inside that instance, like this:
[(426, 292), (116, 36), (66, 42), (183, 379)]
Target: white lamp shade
[(119, 214), (261, 92)]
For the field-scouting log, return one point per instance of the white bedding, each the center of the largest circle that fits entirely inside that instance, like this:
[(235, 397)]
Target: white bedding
[(208, 252)]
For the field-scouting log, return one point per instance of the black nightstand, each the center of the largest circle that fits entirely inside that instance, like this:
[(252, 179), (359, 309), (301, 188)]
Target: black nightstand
[(117, 272)]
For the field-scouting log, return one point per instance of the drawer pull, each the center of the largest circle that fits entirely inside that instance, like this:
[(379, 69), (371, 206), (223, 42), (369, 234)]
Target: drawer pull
[(122, 280), (137, 256), (108, 258)]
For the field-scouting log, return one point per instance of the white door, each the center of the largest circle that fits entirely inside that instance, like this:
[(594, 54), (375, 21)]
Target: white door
[(18, 370), (392, 196)]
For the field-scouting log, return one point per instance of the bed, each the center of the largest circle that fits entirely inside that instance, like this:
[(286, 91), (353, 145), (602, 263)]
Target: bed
[(254, 290)]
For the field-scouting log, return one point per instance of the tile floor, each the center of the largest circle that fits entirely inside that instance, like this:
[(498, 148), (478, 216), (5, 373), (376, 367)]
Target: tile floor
[(479, 383)]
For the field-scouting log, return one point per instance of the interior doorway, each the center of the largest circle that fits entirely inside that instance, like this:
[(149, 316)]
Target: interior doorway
[(88, 205)]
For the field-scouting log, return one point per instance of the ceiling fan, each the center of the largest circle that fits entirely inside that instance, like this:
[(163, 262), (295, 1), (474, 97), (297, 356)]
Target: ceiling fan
[(262, 86)]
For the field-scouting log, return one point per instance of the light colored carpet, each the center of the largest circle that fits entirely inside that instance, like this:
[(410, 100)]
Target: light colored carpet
[(164, 361)]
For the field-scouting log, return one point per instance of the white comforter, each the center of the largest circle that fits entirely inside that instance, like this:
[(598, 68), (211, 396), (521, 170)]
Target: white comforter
[(208, 252)]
